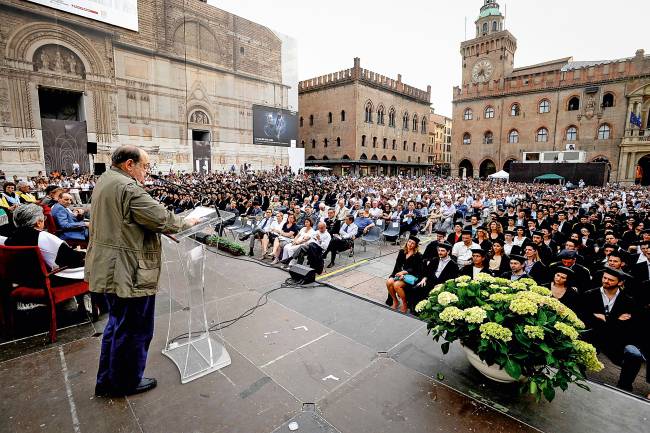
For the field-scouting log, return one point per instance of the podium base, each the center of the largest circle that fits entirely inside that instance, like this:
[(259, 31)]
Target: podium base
[(197, 357)]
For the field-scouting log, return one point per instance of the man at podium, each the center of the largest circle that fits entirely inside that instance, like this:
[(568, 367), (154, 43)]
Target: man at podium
[(123, 263)]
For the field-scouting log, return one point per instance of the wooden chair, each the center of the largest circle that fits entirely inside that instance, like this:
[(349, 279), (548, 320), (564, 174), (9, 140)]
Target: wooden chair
[(27, 279)]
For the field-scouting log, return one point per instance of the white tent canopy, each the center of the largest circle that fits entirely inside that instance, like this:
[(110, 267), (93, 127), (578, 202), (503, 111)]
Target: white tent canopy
[(500, 175), (317, 168)]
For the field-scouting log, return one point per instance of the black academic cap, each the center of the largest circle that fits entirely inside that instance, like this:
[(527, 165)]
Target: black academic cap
[(563, 270), (445, 245), (517, 257), (480, 251), (614, 272), (415, 239), (567, 254)]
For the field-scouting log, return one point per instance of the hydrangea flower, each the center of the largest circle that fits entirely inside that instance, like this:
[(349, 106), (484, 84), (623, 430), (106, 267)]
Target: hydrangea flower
[(475, 315), (518, 285), (451, 314), (541, 290), (421, 306), (501, 281), (463, 285), (534, 332), (523, 306), (567, 330), (587, 356), (446, 298), (501, 297), (528, 281), (437, 288), (463, 279), (495, 331), (484, 278)]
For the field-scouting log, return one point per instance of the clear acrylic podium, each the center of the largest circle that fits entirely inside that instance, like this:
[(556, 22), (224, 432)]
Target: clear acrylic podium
[(189, 343)]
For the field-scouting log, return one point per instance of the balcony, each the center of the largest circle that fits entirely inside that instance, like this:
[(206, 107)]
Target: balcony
[(636, 135)]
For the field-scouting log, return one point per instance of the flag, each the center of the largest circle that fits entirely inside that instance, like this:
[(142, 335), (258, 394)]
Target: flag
[(635, 120)]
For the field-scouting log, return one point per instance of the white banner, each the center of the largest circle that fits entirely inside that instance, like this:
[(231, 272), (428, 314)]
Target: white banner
[(121, 13)]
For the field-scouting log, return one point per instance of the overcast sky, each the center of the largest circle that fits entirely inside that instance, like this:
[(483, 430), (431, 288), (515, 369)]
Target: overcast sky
[(421, 38)]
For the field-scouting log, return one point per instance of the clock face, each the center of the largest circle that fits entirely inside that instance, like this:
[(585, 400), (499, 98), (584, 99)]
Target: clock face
[(482, 71)]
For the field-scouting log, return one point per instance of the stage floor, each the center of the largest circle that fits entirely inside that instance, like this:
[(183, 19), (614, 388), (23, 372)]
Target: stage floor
[(328, 360)]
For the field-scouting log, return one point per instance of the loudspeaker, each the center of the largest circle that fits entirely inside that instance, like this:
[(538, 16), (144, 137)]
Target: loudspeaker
[(302, 274), (91, 148), (100, 167)]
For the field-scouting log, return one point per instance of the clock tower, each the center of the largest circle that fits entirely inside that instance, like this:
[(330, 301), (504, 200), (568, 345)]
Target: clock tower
[(490, 55)]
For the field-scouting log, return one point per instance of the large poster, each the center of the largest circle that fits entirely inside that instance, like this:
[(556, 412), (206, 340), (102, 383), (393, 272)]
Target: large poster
[(64, 143), (121, 13), (274, 126)]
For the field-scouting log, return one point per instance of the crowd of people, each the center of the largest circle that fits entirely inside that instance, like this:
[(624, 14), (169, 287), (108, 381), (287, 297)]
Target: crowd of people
[(590, 246)]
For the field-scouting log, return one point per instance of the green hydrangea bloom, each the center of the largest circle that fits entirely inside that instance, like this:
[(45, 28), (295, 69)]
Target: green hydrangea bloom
[(463, 279), (495, 331), (437, 288), (534, 332), (501, 297), (567, 330), (475, 315), (451, 314), (421, 306), (523, 306), (587, 356), (446, 298)]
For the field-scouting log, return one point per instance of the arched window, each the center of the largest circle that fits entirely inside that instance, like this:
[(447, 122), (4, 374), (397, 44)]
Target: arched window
[(363, 156), (302, 144), (467, 138), (325, 142), (423, 126), (488, 137), (414, 144), (608, 100), (363, 140), (542, 135), (301, 121), (313, 144), (415, 122), (404, 144), (405, 121), (385, 143), (544, 106), (369, 112), (422, 148), (574, 104), (374, 141), (494, 26), (468, 114), (342, 115), (391, 117), (489, 112), (329, 117), (485, 28), (394, 144), (604, 132), (513, 136), (515, 110), (311, 120), (571, 133), (338, 141), (380, 115)]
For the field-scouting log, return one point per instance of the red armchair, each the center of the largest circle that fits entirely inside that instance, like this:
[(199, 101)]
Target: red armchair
[(27, 279)]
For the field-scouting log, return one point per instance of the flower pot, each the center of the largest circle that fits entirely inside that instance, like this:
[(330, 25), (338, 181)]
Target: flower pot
[(493, 372)]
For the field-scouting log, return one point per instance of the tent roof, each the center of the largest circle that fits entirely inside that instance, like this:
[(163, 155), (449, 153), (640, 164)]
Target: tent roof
[(549, 176), (500, 175)]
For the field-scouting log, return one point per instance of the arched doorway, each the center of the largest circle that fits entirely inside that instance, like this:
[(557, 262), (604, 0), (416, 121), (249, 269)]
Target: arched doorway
[(465, 169), (642, 174), (506, 166), (487, 168)]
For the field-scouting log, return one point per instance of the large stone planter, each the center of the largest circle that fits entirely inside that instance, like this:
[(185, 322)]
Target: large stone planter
[(493, 372)]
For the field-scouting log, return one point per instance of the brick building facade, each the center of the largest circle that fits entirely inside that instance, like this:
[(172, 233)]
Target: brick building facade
[(440, 138), (359, 122), (500, 111), (189, 75)]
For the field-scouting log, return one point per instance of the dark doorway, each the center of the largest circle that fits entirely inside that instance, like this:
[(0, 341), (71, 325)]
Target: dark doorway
[(643, 171), (487, 168), (465, 168), (202, 151), (65, 139), (506, 166)]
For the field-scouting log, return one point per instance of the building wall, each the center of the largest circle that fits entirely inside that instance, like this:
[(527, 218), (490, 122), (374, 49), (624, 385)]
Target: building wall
[(144, 87)]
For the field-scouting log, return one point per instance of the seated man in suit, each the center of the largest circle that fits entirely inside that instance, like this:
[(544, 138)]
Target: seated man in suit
[(517, 270), (409, 220), (611, 318), (435, 272), (479, 264), (641, 270), (431, 251), (70, 223)]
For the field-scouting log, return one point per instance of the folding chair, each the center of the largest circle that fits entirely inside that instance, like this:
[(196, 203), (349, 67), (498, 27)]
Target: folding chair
[(392, 231), (374, 236), (237, 224)]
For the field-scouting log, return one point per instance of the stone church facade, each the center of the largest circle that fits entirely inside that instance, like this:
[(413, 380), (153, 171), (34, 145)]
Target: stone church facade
[(500, 111), (187, 79)]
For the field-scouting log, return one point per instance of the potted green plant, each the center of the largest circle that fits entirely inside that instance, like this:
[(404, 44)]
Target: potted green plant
[(511, 331), (224, 244)]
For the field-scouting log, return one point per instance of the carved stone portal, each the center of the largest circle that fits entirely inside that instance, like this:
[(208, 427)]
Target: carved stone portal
[(200, 117), (58, 59)]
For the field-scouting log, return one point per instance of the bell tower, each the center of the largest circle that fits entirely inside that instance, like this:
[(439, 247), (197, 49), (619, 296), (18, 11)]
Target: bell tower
[(490, 55)]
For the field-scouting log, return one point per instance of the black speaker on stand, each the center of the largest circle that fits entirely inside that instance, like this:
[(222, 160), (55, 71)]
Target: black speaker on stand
[(302, 274)]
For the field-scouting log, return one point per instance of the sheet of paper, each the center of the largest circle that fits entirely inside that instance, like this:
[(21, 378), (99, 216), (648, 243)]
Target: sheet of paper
[(200, 212)]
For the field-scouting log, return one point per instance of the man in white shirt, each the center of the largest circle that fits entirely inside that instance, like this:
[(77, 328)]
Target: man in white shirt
[(340, 211), (375, 211), (463, 250), (314, 249), (262, 227)]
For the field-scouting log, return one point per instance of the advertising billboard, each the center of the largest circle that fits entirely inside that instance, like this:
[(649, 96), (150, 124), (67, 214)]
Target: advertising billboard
[(274, 126), (121, 13)]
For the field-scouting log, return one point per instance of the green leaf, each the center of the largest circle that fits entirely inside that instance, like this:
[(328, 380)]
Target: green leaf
[(549, 392), (545, 348), (440, 376), (513, 369), (533, 387), (445, 347)]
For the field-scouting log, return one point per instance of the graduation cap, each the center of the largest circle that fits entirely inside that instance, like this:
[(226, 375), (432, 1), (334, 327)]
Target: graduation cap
[(517, 257), (520, 228), (480, 251), (445, 245), (466, 232), (563, 270), (567, 254), (415, 239), (441, 232), (497, 241), (509, 232), (538, 233), (614, 273)]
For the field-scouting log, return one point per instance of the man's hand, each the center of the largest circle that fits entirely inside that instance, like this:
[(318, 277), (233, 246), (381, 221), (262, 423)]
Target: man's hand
[(601, 317), (625, 316), (192, 221)]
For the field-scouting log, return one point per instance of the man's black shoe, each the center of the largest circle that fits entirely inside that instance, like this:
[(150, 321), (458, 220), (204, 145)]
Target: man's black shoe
[(250, 253), (103, 391), (244, 238), (331, 265), (146, 384)]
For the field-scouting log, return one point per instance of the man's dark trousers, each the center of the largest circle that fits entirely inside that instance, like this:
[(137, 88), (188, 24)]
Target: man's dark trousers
[(125, 343)]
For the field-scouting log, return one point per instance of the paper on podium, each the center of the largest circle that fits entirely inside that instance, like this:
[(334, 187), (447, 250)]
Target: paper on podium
[(200, 212)]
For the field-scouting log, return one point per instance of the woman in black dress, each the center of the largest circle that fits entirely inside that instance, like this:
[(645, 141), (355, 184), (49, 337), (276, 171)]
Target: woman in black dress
[(499, 261), (561, 287), (408, 264)]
